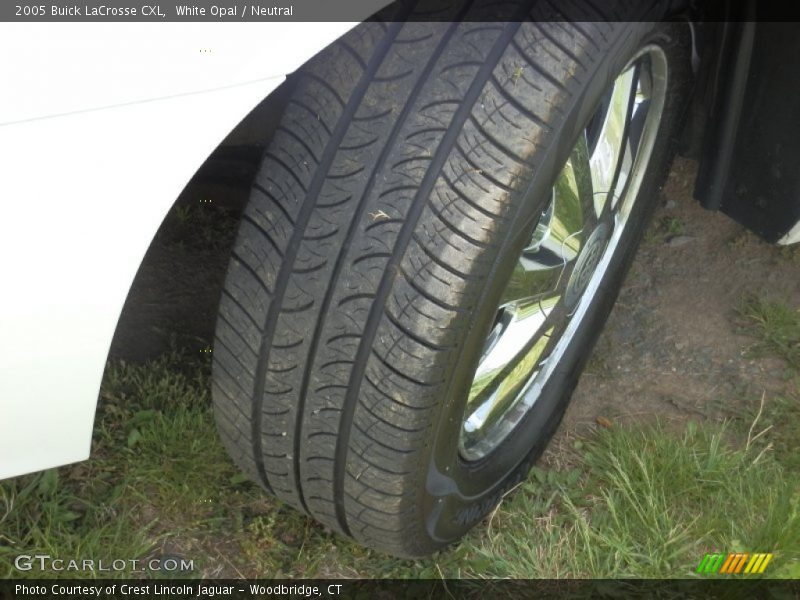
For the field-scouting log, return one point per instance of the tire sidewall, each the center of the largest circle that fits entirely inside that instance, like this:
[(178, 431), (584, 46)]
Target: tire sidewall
[(457, 494)]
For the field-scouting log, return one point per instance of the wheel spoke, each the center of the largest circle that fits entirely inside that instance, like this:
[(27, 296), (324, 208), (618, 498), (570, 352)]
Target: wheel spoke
[(507, 365), (557, 240), (609, 150), (581, 178), (640, 106)]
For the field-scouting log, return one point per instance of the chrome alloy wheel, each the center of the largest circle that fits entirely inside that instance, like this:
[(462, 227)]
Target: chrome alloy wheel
[(559, 271)]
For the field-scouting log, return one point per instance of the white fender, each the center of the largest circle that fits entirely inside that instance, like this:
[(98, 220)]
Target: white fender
[(101, 126)]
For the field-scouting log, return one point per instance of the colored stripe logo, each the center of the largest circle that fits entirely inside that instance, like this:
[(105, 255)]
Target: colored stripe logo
[(734, 563)]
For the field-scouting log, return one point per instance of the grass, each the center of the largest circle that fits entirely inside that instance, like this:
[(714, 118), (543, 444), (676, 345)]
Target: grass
[(776, 328), (650, 504), (637, 502), (663, 230)]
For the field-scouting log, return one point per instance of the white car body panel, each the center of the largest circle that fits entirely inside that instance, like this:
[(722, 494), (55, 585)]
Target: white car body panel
[(58, 68), (101, 126), (792, 236)]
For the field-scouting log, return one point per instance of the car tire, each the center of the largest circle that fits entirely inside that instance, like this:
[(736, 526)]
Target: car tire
[(412, 165)]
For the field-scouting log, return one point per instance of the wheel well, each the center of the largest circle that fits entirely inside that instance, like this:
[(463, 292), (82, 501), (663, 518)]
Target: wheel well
[(173, 299)]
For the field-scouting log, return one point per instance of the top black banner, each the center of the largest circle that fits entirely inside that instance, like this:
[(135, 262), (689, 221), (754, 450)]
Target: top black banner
[(383, 10), (192, 11)]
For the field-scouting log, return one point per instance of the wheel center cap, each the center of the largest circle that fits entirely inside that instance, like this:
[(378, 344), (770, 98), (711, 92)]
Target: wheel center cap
[(586, 265)]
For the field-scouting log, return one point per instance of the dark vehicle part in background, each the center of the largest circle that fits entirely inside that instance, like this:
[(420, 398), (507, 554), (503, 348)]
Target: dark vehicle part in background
[(745, 125)]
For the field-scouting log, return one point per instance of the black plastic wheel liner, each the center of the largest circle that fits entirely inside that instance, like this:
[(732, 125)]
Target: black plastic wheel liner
[(751, 147), (763, 189)]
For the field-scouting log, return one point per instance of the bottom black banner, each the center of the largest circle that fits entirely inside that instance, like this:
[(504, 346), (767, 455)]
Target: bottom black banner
[(396, 588)]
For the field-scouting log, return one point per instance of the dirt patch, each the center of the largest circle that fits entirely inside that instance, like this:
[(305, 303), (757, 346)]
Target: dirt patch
[(674, 345)]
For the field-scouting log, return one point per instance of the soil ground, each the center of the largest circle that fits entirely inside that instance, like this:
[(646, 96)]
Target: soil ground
[(672, 347), (673, 344)]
